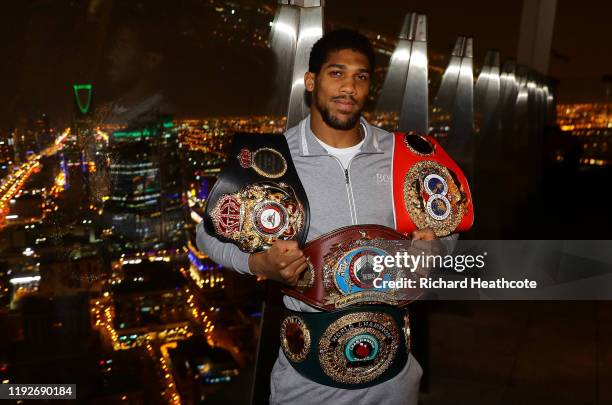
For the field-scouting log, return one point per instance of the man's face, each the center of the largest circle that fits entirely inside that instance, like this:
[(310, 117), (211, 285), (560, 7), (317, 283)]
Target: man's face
[(340, 89)]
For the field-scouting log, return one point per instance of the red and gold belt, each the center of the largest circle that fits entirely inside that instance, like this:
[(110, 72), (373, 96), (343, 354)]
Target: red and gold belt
[(429, 188), (342, 269)]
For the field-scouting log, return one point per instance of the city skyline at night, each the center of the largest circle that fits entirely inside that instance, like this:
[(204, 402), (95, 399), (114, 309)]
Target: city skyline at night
[(191, 59)]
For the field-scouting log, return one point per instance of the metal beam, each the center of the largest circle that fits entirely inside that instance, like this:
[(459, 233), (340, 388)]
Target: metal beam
[(298, 24), (535, 38), (487, 92), (404, 90), (310, 31), (414, 108), (460, 138)]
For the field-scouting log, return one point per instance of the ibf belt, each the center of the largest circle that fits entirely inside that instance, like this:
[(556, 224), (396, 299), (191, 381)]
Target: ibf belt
[(429, 188), (357, 347), (342, 269), (258, 196)]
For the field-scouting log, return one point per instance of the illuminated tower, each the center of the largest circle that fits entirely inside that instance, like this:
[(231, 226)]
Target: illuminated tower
[(90, 148), (83, 102)]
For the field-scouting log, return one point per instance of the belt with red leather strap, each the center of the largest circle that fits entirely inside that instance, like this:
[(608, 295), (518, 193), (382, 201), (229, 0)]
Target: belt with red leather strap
[(341, 269), (429, 188)]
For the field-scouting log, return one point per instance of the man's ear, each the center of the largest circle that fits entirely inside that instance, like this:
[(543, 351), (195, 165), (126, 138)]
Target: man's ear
[(309, 81)]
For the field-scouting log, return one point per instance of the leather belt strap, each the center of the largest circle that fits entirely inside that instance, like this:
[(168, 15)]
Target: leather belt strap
[(429, 188), (258, 196)]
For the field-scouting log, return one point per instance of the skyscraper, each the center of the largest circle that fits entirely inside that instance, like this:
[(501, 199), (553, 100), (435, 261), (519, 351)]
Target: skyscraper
[(144, 205), (7, 154)]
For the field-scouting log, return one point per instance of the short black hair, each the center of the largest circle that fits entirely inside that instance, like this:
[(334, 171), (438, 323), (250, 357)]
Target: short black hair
[(336, 41)]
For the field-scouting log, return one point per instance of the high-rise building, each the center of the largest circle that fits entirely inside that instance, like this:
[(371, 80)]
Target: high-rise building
[(149, 301), (144, 205), (42, 129), (88, 147), (7, 154), (25, 142)]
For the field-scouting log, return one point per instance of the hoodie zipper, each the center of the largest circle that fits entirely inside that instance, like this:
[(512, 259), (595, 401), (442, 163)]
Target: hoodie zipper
[(349, 189)]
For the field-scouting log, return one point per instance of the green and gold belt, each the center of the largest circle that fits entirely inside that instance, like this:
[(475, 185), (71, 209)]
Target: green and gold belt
[(355, 347)]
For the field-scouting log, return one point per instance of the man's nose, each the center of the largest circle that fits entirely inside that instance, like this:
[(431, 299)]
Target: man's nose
[(348, 86)]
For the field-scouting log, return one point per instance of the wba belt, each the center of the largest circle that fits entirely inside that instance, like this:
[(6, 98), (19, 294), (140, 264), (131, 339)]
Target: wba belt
[(258, 196), (341, 269), (429, 188), (357, 347)]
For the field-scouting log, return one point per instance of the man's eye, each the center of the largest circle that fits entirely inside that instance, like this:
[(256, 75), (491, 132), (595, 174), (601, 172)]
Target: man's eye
[(335, 73), (363, 77)]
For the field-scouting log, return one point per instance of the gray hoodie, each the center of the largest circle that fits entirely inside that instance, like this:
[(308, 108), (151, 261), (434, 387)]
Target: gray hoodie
[(361, 194)]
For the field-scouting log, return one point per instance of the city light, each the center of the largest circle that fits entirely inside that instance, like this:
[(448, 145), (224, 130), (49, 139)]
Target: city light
[(171, 391), (592, 125), (13, 183), (24, 280), (571, 117)]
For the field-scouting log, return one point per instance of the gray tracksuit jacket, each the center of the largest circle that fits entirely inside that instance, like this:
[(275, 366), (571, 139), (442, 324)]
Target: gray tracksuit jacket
[(361, 194)]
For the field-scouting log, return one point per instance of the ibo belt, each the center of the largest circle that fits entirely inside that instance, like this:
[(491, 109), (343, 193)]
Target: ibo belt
[(429, 188), (258, 196), (352, 348)]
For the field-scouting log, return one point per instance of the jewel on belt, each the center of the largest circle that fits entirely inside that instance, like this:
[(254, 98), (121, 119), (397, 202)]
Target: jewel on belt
[(295, 338), (359, 347)]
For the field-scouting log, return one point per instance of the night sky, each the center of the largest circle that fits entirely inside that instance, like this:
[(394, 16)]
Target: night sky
[(582, 39), (132, 50)]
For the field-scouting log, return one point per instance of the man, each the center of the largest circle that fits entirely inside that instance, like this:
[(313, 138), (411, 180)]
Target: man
[(344, 164)]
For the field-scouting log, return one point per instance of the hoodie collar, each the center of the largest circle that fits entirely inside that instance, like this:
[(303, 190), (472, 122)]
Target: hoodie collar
[(309, 146)]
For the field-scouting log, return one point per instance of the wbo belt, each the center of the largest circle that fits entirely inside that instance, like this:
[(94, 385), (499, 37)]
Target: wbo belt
[(258, 197), (342, 269), (351, 348), (429, 188)]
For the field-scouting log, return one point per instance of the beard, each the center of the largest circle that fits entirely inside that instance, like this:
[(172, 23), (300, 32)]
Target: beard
[(333, 121)]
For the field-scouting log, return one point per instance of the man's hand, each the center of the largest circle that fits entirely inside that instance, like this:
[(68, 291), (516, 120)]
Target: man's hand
[(423, 234), (283, 262), (421, 240)]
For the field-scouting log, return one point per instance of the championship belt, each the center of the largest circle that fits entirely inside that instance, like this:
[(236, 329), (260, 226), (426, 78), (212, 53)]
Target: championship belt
[(341, 269), (258, 196), (351, 348), (429, 188)]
